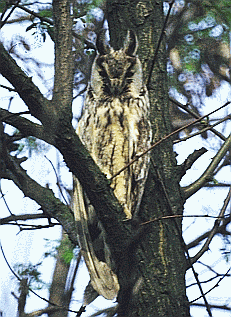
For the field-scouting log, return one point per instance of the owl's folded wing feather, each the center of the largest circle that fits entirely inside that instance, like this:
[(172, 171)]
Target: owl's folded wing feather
[(103, 279)]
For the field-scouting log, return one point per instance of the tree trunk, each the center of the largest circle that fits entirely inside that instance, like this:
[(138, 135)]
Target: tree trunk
[(58, 294), (23, 288), (159, 257)]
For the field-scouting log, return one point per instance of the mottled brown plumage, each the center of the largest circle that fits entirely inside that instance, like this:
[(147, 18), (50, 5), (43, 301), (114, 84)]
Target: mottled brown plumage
[(114, 127)]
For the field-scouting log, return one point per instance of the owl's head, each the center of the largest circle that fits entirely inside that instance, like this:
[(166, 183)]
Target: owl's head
[(117, 72)]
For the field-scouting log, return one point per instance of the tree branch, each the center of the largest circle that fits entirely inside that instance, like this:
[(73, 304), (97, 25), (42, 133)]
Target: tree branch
[(223, 307), (222, 230), (202, 130), (95, 184), (47, 310), (190, 160), (51, 205), (6, 220), (38, 105), (214, 229), (64, 66), (208, 174), (217, 284), (25, 126), (49, 21), (2, 23), (196, 116)]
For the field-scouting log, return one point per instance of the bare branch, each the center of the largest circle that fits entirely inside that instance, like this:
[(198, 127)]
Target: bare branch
[(47, 310), (221, 229), (214, 229), (196, 116), (25, 126), (208, 280), (2, 23), (64, 66), (38, 105), (8, 88), (190, 160), (210, 268), (51, 205), (57, 181), (218, 185), (181, 216), (208, 173), (49, 21), (223, 307), (212, 287), (6, 220), (158, 44), (203, 130)]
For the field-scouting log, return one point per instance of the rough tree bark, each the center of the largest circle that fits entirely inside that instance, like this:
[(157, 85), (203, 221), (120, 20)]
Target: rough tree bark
[(58, 292)]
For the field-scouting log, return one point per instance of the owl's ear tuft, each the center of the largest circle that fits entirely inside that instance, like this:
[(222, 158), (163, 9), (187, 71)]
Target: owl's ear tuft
[(101, 45), (130, 43)]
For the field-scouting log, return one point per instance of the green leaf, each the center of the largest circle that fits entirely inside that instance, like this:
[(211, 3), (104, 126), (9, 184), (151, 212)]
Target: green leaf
[(3, 4), (46, 13), (33, 25)]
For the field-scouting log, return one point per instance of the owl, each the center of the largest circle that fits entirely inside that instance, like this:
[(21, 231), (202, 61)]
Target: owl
[(114, 127)]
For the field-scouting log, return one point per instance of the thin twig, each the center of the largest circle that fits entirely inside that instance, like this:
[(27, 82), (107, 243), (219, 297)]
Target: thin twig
[(158, 44), (49, 21), (181, 216), (196, 116), (203, 130), (208, 280), (35, 227), (19, 279), (8, 208), (222, 230), (24, 217), (57, 181), (2, 23), (223, 307), (214, 229), (8, 88), (212, 287), (209, 172)]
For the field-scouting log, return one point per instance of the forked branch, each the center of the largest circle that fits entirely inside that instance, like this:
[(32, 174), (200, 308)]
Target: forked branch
[(208, 173), (214, 229)]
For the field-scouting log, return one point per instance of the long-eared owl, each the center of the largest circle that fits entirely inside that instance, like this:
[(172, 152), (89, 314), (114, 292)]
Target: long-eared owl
[(114, 127)]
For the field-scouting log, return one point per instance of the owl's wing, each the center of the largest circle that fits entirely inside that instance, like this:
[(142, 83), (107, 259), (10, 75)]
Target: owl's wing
[(142, 142), (103, 279)]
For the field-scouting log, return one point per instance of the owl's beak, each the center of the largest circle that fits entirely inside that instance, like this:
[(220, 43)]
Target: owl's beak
[(116, 86)]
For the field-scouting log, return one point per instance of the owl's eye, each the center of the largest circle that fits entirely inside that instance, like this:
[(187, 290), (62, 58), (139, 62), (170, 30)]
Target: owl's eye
[(130, 71), (100, 60), (129, 74), (103, 72)]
